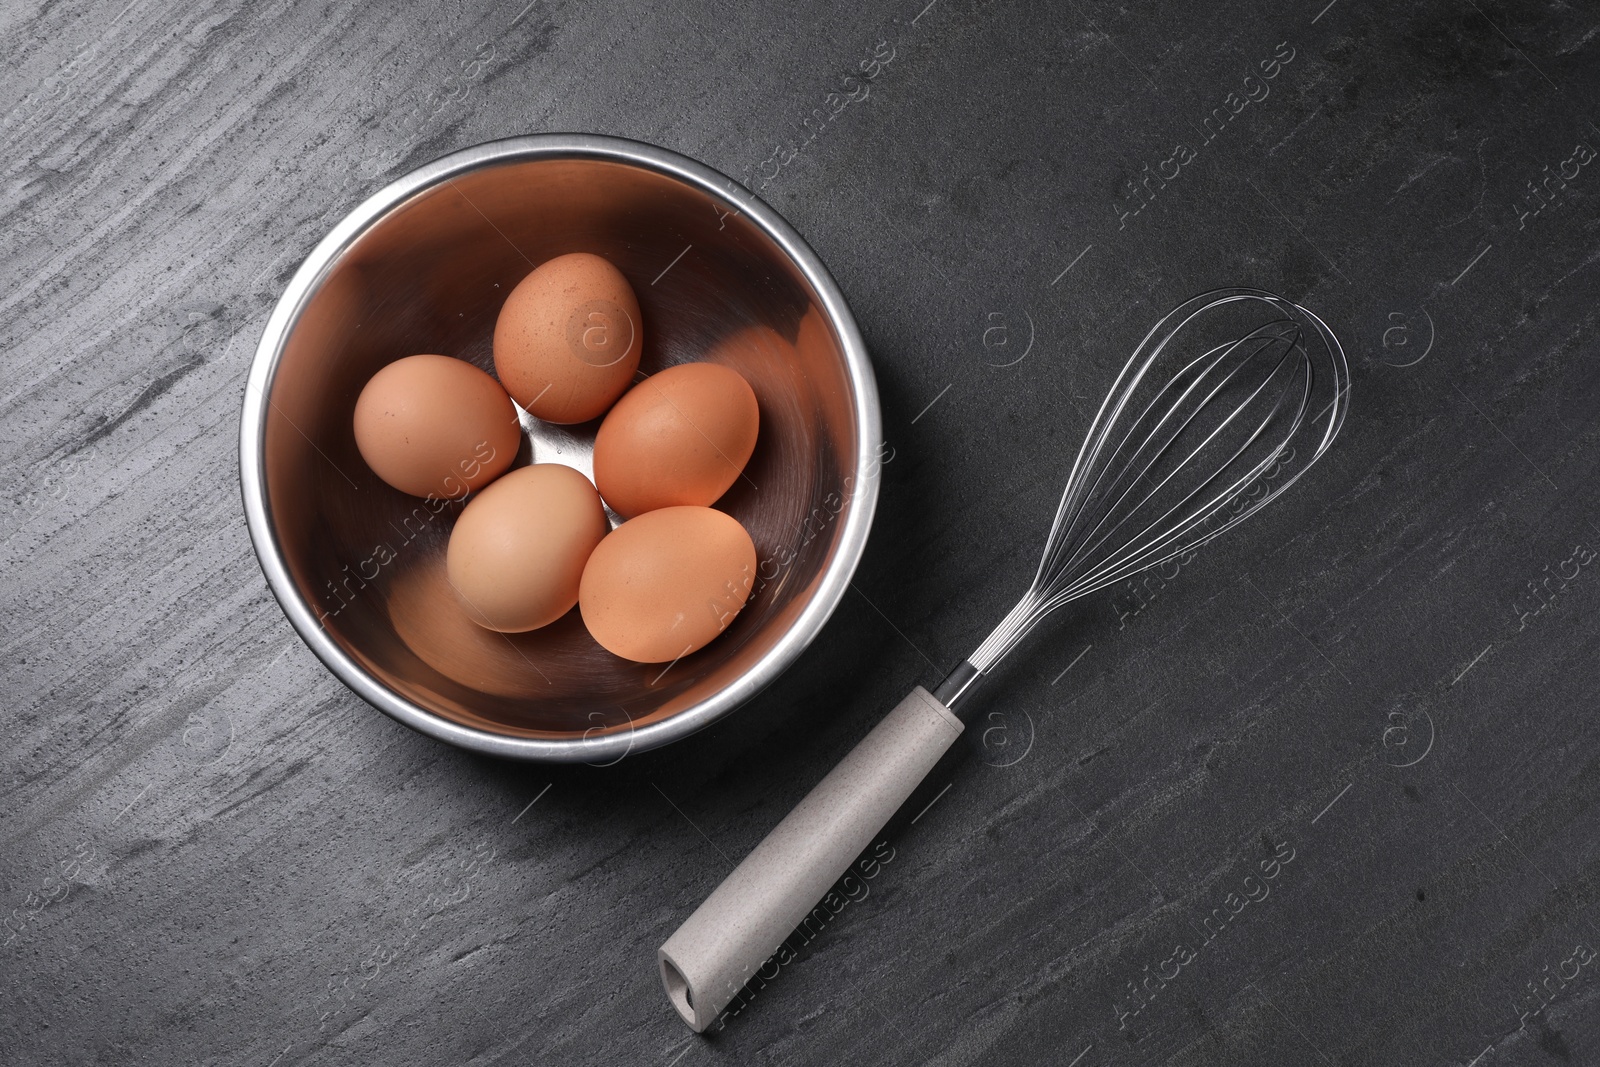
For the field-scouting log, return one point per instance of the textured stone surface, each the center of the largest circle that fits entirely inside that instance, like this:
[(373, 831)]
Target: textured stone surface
[(213, 853)]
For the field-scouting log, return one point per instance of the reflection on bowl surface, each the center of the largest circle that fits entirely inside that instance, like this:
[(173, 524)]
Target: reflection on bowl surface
[(424, 267)]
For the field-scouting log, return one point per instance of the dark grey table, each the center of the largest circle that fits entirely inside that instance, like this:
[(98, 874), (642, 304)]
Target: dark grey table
[(1326, 795)]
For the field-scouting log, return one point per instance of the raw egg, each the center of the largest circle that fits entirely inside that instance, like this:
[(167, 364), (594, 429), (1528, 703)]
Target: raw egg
[(436, 426), (682, 436), (567, 341), (517, 551), (664, 584)]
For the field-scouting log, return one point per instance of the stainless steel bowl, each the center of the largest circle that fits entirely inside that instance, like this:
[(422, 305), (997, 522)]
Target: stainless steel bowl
[(423, 266)]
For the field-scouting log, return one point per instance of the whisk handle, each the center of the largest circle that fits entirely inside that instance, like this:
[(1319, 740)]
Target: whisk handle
[(741, 924)]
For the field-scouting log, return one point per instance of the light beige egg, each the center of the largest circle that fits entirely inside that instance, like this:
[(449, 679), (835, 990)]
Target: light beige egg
[(518, 550)]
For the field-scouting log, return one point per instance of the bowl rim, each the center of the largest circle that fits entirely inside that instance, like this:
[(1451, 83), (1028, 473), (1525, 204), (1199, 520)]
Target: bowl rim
[(602, 748)]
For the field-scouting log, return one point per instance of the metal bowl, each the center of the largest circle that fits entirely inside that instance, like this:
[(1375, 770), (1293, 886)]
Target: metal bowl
[(423, 266)]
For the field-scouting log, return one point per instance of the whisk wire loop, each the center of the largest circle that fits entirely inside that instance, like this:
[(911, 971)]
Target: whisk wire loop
[(1174, 458), (1142, 474)]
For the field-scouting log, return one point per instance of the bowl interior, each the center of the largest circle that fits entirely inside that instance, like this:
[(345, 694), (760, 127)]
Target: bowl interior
[(429, 275)]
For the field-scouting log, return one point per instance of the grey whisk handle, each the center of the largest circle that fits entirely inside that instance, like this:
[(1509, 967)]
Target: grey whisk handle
[(711, 956)]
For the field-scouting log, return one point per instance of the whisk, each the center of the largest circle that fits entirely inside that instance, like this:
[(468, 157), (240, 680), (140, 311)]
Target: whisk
[(1226, 402)]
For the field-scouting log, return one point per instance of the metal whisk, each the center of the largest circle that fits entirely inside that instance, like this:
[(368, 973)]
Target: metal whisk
[(1174, 459), (1225, 403)]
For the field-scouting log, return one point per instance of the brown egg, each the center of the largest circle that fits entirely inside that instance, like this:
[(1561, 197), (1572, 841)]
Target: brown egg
[(679, 437), (436, 426), (567, 341), (664, 584), (517, 552)]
